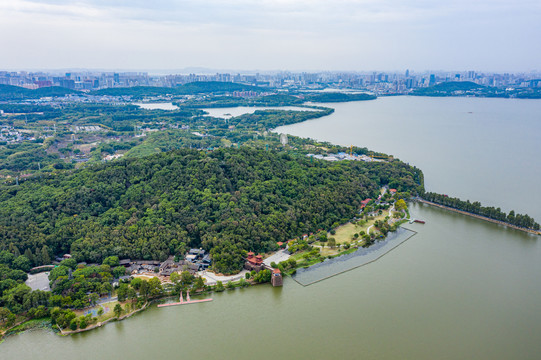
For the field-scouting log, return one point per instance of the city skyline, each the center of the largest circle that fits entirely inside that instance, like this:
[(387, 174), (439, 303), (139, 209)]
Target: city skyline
[(348, 35)]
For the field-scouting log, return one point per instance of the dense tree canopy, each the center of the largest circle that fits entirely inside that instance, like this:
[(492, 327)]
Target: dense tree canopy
[(226, 201)]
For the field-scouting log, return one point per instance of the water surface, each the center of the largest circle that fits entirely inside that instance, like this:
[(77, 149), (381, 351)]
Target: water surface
[(227, 113), (473, 148), (157, 106)]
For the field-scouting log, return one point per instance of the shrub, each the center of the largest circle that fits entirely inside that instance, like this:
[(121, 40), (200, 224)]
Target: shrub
[(82, 323)]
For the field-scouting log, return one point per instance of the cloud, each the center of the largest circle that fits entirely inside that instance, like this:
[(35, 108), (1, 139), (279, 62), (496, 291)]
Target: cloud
[(309, 34)]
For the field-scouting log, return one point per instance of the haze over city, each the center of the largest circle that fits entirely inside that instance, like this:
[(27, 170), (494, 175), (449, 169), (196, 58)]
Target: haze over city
[(297, 35)]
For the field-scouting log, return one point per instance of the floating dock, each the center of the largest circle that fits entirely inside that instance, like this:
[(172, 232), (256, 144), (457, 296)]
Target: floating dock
[(185, 302)]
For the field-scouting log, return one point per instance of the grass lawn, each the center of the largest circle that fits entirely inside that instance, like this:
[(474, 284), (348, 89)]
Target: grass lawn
[(107, 313), (345, 232)]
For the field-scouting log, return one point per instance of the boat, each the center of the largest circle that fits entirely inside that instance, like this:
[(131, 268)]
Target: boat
[(419, 221)]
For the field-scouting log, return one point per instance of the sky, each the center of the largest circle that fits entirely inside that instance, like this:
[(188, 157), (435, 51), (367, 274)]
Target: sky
[(295, 35)]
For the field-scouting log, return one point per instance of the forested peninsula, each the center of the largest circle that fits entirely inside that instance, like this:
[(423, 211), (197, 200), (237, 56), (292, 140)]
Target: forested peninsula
[(225, 201)]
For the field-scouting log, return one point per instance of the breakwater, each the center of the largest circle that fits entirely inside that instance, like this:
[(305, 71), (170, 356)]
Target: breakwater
[(531, 231)]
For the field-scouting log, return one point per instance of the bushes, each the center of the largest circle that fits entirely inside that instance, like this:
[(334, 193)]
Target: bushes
[(63, 318), (219, 287), (263, 276)]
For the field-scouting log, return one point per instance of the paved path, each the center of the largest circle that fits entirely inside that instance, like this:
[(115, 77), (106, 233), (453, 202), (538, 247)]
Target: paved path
[(106, 300), (368, 230), (277, 257), (212, 278)]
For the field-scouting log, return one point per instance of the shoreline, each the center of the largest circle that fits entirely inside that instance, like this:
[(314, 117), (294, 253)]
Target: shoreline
[(61, 332), (353, 256), (530, 231)]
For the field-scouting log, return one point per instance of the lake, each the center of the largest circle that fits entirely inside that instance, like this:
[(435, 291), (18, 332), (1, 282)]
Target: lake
[(227, 113), (461, 288), (157, 106), (473, 148)]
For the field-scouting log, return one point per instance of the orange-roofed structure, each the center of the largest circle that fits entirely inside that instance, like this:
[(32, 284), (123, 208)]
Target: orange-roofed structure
[(276, 278)]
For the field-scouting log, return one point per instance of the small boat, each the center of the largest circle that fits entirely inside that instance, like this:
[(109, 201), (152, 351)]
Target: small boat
[(419, 221)]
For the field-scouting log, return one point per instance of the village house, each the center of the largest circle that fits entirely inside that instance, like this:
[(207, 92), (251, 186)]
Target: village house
[(365, 202), (198, 260)]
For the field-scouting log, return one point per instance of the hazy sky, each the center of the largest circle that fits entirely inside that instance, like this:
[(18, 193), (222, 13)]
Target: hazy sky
[(494, 35)]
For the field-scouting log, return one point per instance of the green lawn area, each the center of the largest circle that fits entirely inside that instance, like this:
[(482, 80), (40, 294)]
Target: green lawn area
[(107, 314), (345, 232)]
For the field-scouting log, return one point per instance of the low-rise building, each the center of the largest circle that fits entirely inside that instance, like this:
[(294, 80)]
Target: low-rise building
[(276, 278), (253, 262)]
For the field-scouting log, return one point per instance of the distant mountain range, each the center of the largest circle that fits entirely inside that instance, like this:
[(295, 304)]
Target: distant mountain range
[(10, 92)]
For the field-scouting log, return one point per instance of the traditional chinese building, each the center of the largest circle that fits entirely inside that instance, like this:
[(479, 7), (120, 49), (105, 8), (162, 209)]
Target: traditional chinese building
[(253, 262)]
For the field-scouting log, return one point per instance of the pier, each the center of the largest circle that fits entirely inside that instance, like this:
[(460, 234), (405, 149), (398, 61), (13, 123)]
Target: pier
[(185, 302)]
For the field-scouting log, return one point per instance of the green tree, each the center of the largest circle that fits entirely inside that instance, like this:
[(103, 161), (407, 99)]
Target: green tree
[(187, 278), (71, 263), (199, 283), (45, 257), (82, 323), (400, 205), (155, 287), (122, 292), (111, 261), (4, 314), (136, 283), (332, 242), (263, 276), (22, 263), (219, 286), (175, 277), (132, 294), (117, 310), (144, 289), (119, 271)]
